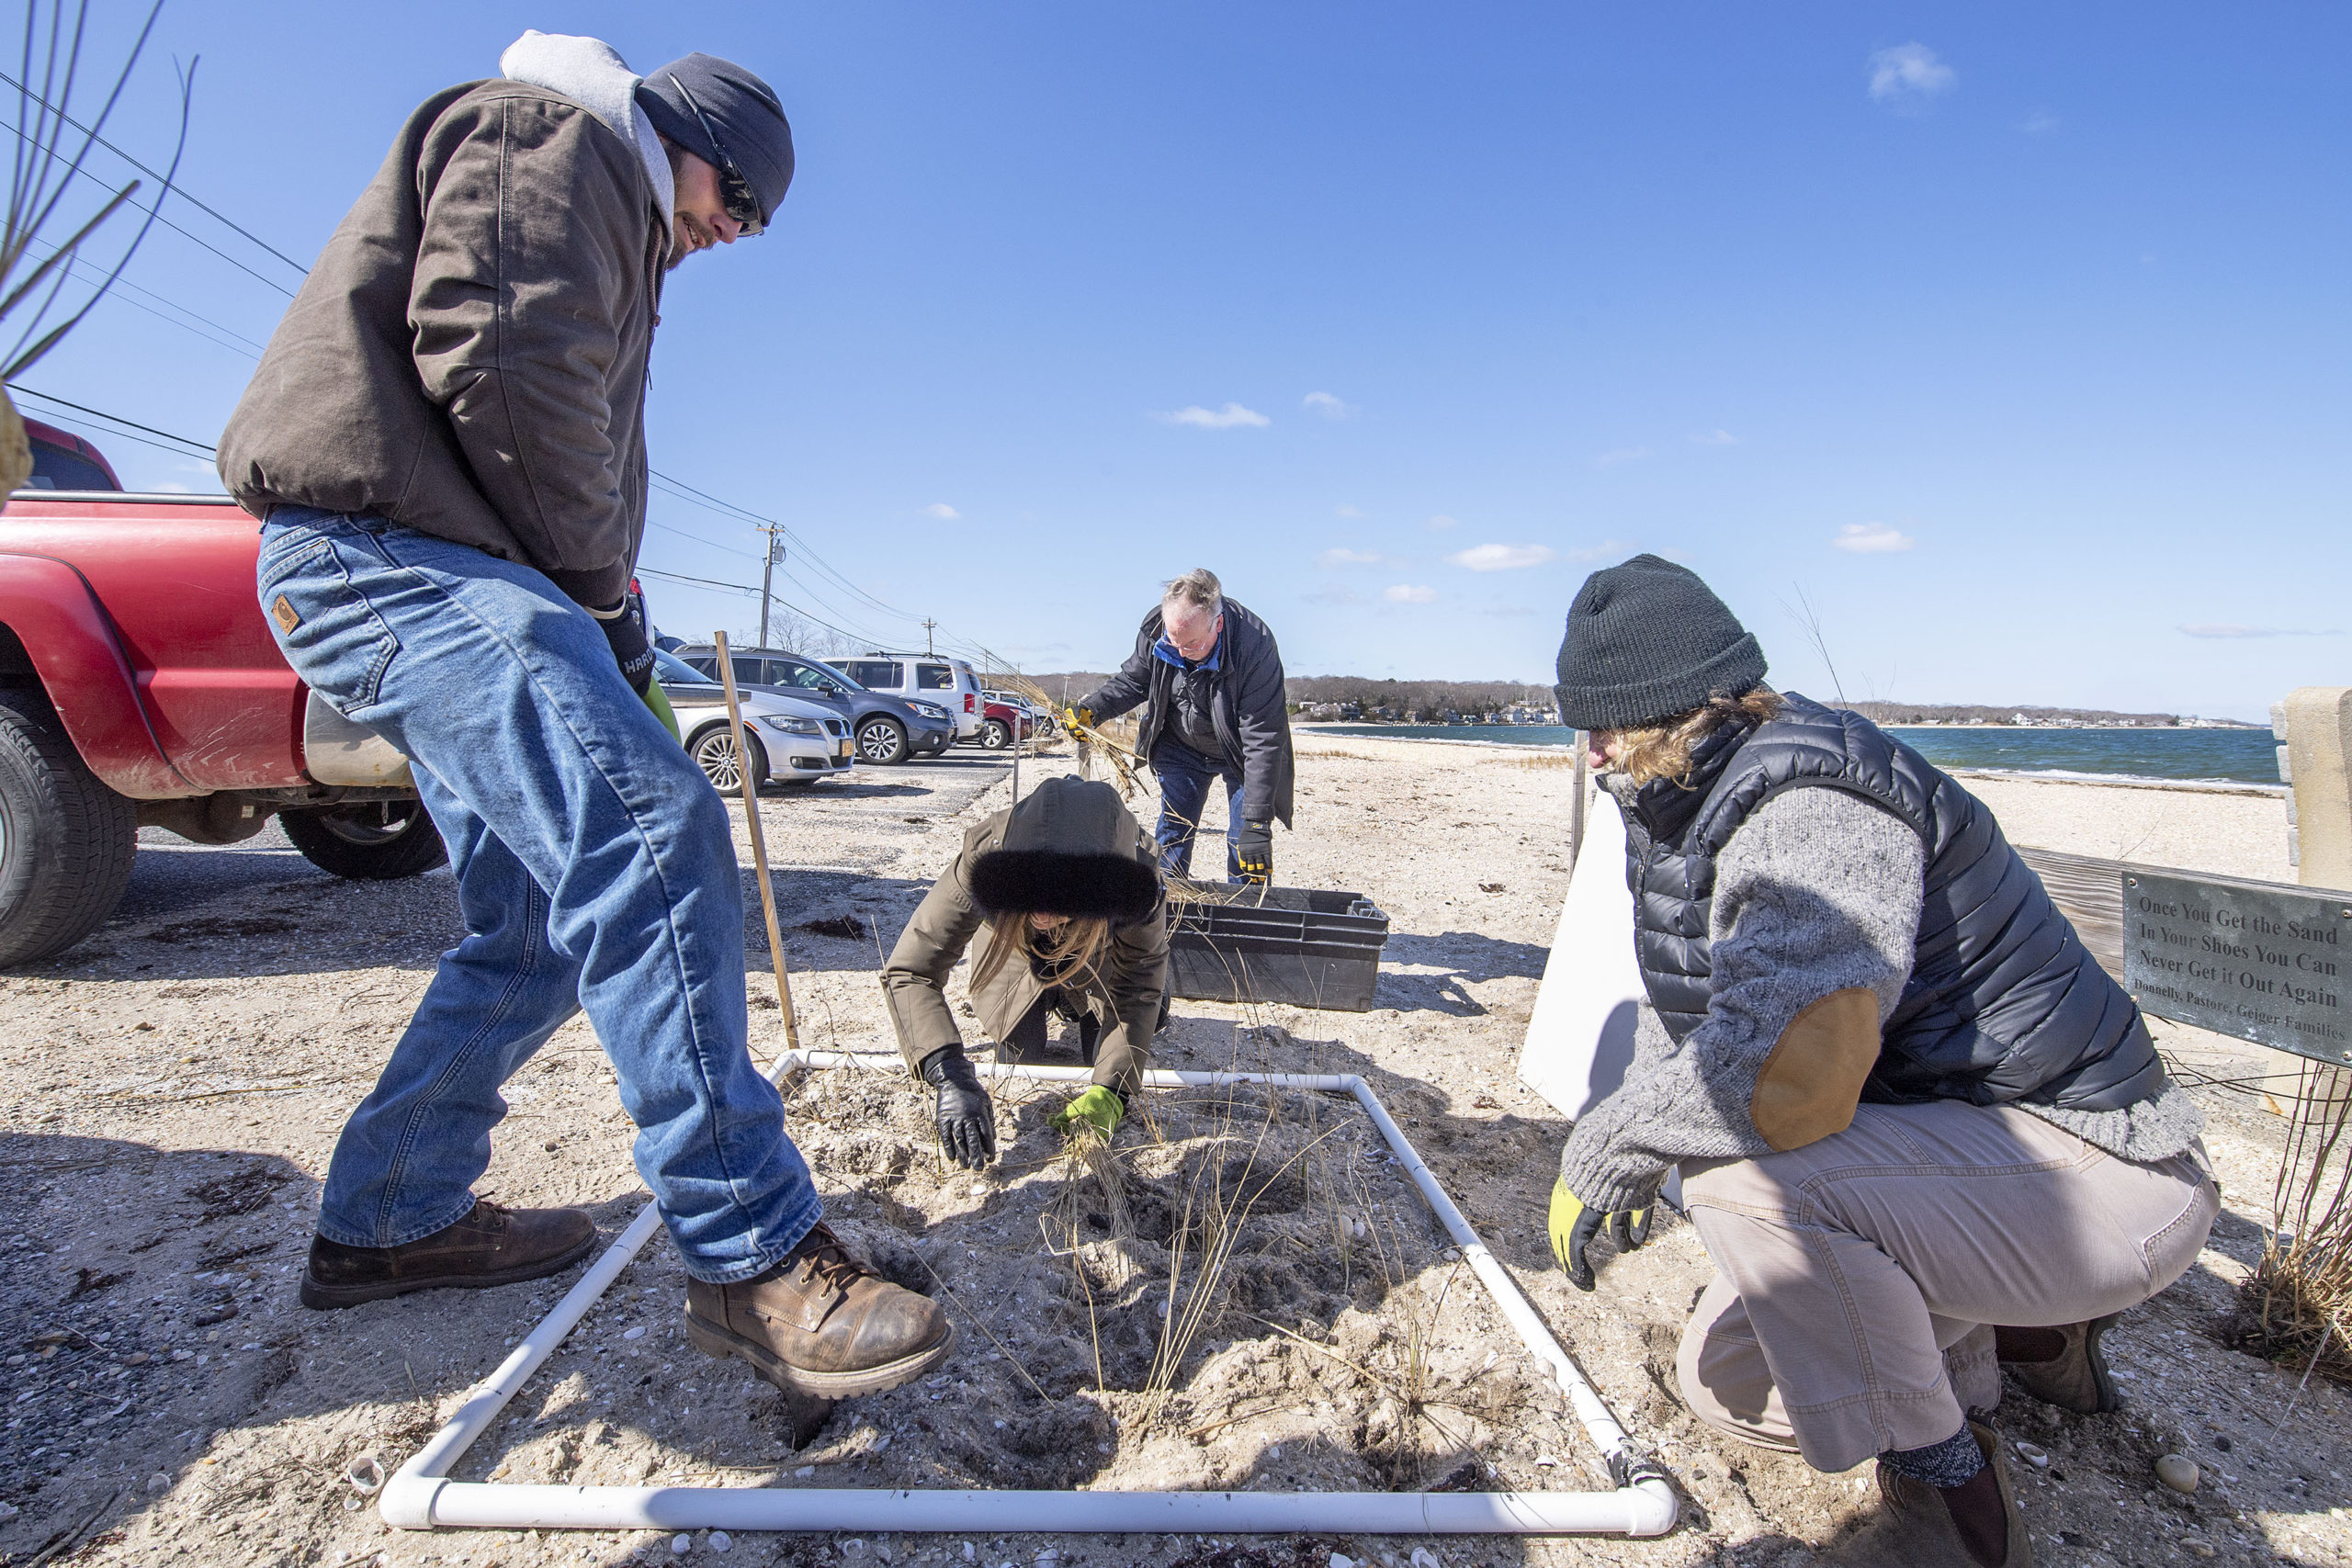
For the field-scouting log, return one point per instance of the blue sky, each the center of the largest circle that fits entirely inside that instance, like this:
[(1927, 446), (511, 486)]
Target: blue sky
[(2013, 339)]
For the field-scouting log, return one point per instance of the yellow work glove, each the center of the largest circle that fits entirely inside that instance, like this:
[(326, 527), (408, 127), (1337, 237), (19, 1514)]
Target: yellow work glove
[(1078, 719), (1098, 1107), (1574, 1226), (659, 701)]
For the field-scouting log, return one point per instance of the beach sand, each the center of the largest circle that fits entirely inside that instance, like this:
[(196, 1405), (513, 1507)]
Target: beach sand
[(171, 1092)]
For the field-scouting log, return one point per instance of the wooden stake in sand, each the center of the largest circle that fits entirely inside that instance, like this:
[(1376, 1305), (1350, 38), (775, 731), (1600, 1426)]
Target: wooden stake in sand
[(759, 843)]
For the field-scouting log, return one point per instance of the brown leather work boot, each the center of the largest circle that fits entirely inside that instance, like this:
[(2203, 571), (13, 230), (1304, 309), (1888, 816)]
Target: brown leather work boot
[(820, 1323), (491, 1246), (2063, 1366), (1976, 1525)]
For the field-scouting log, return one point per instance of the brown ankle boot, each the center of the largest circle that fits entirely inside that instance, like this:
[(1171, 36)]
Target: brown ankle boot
[(491, 1246), (2063, 1366), (1974, 1525), (820, 1323)]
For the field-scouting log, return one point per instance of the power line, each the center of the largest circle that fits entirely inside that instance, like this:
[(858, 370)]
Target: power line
[(151, 174), (205, 447), (191, 239)]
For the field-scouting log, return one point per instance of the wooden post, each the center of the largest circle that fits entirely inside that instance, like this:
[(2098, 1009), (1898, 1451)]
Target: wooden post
[(759, 843), (2319, 742)]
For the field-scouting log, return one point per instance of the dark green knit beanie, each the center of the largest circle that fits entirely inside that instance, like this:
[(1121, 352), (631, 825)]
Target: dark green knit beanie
[(1648, 640)]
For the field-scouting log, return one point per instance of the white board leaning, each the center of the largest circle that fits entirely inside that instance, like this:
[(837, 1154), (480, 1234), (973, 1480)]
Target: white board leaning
[(1580, 1038)]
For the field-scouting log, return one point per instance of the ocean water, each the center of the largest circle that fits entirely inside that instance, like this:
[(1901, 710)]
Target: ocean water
[(2232, 756)]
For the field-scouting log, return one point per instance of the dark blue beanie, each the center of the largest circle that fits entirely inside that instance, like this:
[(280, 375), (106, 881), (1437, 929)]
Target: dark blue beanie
[(1648, 640), (741, 108)]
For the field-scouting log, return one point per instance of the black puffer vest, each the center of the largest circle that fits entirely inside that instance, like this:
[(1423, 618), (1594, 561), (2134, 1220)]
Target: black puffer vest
[(2004, 1002)]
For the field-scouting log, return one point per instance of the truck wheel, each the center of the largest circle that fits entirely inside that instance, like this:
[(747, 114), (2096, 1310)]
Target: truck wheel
[(66, 840), (882, 740), (714, 753), (996, 734), (377, 840)]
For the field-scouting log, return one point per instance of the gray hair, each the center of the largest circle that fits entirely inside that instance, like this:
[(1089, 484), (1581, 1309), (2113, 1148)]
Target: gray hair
[(1197, 588)]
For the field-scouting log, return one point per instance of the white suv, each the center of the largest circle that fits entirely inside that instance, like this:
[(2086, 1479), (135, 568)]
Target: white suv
[(922, 677)]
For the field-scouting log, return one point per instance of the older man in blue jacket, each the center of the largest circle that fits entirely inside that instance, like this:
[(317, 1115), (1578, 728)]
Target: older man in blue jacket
[(1209, 678)]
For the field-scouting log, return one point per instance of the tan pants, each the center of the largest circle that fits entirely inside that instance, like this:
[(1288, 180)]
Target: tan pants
[(1855, 1277)]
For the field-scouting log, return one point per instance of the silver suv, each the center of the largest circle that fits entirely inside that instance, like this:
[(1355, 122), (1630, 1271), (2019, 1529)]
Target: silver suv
[(923, 677)]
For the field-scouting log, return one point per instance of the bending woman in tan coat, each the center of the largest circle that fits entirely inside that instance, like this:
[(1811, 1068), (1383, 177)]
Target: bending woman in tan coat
[(1060, 899)]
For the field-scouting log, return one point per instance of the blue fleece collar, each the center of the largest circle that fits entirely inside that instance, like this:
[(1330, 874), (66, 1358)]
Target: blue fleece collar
[(1165, 651)]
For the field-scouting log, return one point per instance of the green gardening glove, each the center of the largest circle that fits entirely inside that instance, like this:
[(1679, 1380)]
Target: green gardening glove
[(1574, 1226), (1099, 1107), (659, 701)]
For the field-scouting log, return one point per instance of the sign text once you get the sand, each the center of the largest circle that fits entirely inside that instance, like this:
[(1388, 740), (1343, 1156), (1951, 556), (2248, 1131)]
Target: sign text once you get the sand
[(2258, 961)]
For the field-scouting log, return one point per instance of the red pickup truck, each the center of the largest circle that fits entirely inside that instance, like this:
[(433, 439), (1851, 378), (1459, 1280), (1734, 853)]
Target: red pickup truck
[(141, 687)]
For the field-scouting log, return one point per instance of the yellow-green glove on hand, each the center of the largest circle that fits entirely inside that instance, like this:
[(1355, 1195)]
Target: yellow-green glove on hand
[(1098, 1107), (1572, 1226), (1078, 719), (659, 701)]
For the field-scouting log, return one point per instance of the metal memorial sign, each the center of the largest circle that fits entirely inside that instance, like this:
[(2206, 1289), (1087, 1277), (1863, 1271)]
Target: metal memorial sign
[(2254, 960)]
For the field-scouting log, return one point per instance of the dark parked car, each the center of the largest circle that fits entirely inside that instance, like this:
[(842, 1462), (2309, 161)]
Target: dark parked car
[(888, 730)]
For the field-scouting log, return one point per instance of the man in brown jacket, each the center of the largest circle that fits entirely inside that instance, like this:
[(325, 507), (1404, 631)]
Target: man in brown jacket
[(446, 439)]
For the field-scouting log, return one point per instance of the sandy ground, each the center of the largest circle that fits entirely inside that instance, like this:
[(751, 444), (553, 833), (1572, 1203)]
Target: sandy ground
[(172, 1088)]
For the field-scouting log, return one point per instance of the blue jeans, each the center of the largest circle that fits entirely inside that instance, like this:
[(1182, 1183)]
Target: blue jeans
[(1184, 776), (596, 870)]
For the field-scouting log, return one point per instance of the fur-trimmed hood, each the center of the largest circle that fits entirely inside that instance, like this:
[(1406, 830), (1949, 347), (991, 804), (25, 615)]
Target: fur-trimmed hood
[(1070, 848)]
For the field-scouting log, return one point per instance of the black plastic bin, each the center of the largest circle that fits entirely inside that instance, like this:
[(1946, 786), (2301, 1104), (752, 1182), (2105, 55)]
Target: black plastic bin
[(1310, 947)]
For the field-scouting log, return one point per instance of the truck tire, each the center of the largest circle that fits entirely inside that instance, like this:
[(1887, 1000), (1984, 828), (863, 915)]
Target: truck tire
[(377, 840), (66, 840)]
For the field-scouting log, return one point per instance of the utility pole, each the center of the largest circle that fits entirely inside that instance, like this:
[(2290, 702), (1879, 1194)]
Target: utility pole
[(929, 651), (767, 576)]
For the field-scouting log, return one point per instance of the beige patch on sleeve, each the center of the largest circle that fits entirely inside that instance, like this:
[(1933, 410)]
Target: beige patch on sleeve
[(283, 614), (1812, 1081)]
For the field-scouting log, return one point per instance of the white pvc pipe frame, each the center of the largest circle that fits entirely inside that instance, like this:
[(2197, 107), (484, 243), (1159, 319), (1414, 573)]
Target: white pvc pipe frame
[(421, 1496)]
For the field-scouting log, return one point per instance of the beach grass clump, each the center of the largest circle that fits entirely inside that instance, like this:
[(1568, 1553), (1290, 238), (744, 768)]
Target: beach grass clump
[(2296, 1307)]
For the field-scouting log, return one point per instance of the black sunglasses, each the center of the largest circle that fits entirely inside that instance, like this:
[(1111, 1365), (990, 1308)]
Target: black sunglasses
[(734, 191)]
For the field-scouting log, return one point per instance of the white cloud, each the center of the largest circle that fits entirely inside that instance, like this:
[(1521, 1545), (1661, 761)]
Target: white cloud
[(1909, 75), (942, 511), (1329, 406), (1348, 558), (1873, 539), (1622, 455), (1716, 438), (1503, 558), (1408, 593), (1345, 512), (1231, 417), (2039, 123), (1606, 547), (1440, 523), (2233, 629)]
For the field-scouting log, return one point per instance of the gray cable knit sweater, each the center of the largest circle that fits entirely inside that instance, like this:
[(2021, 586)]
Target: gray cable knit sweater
[(1802, 849)]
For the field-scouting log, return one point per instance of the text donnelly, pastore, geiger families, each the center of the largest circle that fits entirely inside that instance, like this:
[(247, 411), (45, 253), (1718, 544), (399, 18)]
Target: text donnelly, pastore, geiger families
[(2256, 961)]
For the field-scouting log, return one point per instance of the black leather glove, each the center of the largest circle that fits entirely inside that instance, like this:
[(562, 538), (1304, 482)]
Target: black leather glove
[(626, 632), (1255, 851), (965, 1114)]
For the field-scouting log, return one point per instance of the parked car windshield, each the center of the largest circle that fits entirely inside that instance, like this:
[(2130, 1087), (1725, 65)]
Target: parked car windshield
[(792, 672), (668, 668)]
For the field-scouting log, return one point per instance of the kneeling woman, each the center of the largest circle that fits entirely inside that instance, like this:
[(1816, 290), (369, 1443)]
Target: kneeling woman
[(1063, 896)]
